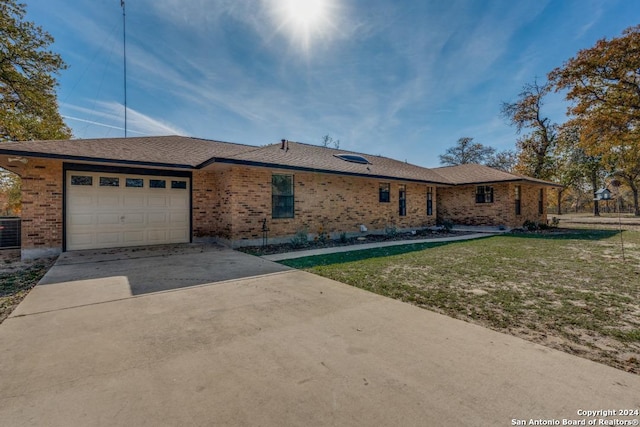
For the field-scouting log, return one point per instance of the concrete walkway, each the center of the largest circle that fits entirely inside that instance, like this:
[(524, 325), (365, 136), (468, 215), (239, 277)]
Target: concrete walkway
[(374, 245), (280, 349)]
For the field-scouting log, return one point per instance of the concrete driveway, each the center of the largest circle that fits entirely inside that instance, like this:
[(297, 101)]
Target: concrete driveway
[(280, 348)]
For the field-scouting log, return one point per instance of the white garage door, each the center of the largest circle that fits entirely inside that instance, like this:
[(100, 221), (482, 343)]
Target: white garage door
[(106, 210)]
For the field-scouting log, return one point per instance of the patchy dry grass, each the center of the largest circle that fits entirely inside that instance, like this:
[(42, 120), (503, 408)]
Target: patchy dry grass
[(571, 292), (17, 279)]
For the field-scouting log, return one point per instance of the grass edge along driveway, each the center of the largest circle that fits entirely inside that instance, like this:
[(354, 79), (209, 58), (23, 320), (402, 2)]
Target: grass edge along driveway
[(569, 291)]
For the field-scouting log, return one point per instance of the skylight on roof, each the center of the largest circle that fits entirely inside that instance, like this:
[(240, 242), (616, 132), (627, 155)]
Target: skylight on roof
[(353, 158)]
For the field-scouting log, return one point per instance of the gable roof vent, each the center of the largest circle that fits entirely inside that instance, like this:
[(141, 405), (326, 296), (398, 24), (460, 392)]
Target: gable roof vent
[(353, 158)]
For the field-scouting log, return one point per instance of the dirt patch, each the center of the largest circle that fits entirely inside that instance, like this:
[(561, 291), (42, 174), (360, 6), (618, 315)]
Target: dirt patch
[(17, 278)]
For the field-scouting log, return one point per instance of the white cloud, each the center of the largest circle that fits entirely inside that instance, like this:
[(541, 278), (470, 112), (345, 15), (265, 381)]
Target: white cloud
[(110, 114)]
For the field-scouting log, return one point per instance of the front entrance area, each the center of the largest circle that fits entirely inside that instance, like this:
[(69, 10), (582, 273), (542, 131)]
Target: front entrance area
[(106, 209)]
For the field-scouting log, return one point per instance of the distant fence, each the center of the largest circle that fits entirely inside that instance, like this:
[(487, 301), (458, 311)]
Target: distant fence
[(10, 232)]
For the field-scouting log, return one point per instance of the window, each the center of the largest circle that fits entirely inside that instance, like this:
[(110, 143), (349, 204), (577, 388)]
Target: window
[(109, 181), (157, 183), (384, 193), (81, 180), (484, 194), (134, 182), (402, 200), (429, 201), (180, 185), (541, 202), (518, 200), (282, 196), (353, 158)]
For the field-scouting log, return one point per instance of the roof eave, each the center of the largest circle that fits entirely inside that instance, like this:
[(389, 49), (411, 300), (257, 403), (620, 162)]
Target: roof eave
[(52, 156)]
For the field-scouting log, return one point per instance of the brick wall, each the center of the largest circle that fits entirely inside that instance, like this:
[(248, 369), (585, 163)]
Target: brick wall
[(458, 205), (231, 203), (331, 203), (41, 207)]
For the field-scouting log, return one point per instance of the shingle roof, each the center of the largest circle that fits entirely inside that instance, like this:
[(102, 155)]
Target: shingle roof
[(194, 153), (176, 151), (297, 155), (480, 174)]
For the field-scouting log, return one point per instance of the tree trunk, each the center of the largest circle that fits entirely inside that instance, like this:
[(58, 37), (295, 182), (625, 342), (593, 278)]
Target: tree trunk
[(559, 211), (594, 185)]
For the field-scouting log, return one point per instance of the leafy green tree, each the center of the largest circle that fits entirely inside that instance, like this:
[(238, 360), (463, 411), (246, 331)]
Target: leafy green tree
[(603, 86), (575, 166), (465, 152), (28, 103), (535, 148)]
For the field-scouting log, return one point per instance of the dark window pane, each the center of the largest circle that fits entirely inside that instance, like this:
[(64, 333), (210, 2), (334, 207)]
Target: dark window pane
[(106, 181), (182, 185), (282, 201), (282, 185), (484, 194), (402, 200), (157, 183), (282, 206), (81, 180), (134, 182), (541, 202), (384, 193)]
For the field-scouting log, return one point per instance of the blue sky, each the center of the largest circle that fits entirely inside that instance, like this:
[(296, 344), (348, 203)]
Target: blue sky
[(404, 79)]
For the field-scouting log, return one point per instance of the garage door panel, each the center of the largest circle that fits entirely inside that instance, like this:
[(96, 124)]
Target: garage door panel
[(134, 201), (178, 218), (156, 218), (178, 235), (155, 236), (81, 219), (108, 200), (132, 213), (133, 237), (178, 202), (157, 201), (108, 238), (108, 219), (81, 239), (83, 200), (134, 219)]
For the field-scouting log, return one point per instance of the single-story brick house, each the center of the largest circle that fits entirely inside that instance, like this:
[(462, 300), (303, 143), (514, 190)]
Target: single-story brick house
[(99, 193)]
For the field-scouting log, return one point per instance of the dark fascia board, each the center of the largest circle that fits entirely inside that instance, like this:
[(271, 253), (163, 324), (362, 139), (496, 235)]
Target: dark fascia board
[(91, 159), (314, 170), (88, 167)]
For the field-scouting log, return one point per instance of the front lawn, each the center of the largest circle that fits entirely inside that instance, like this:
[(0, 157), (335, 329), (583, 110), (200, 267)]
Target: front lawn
[(569, 291)]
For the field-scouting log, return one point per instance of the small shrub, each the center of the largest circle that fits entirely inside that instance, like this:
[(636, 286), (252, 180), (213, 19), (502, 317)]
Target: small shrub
[(391, 231), (530, 225), (446, 224), (300, 239), (555, 222), (343, 237), (323, 236)]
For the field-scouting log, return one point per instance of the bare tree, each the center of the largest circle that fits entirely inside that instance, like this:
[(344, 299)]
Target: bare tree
[(466, 151), (535, 148), (328, 141)]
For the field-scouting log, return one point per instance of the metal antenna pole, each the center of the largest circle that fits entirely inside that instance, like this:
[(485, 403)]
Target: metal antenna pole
[(124, 48)]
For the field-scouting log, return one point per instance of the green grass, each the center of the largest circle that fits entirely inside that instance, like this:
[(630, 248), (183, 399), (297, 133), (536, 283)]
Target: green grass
[(569, 291)]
